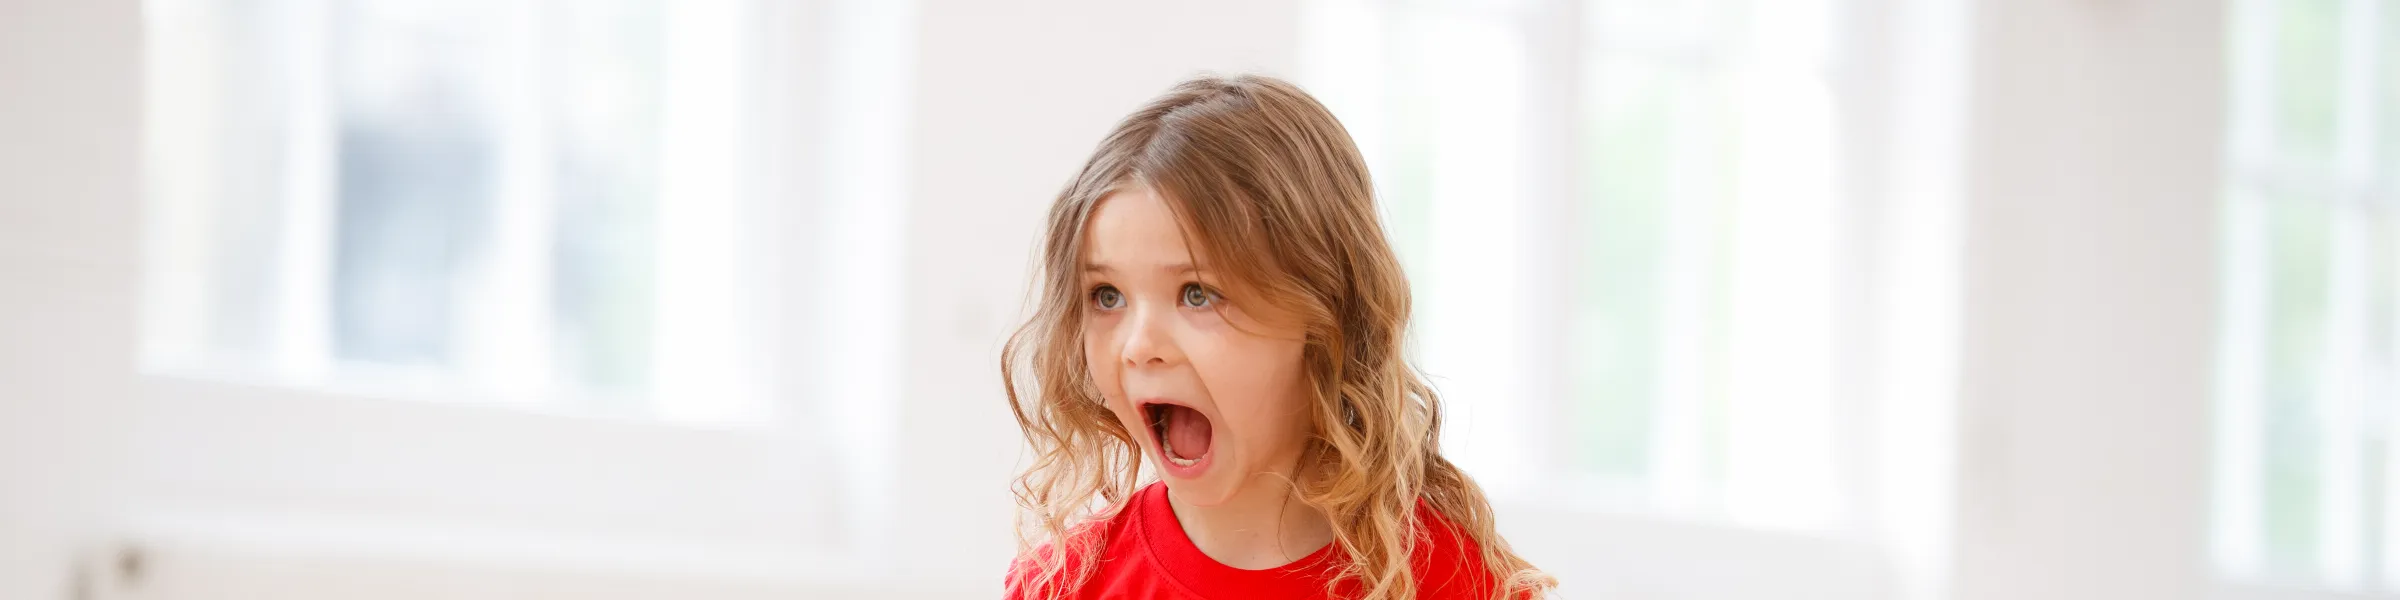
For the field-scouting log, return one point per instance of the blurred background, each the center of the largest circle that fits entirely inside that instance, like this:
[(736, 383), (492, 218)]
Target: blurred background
[(603, 299)]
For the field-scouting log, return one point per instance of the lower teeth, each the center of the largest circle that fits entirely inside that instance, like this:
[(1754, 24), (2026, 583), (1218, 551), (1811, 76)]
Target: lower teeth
[(1168, 450)]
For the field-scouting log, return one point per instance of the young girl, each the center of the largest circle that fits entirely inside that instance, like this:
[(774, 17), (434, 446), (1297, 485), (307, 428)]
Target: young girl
[(1218, 301)]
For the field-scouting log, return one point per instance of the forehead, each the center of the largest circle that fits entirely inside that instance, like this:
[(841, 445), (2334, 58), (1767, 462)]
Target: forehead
[(1132, 228)]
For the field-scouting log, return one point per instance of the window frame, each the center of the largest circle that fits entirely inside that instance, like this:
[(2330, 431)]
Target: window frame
[(221, 463), (1898, 377), (2355, 186)]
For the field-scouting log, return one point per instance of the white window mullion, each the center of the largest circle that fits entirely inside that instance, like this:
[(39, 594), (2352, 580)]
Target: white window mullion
[(2342, 392), (859, 244), (1699, 366), (1913, 86), (302, 297), (1679, 452), (1478, 138), (2340, 397), (698, 357), (2382, 418), (1780, 352), (2239, 477), (2369, 34), (2240, 468), (507, 332), (2388, 395)]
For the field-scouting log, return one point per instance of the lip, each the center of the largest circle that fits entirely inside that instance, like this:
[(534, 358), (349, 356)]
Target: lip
[(1158, 445)]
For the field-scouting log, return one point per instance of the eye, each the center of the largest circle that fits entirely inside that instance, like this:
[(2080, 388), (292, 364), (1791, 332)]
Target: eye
[(1199, 296), (1107, 297)]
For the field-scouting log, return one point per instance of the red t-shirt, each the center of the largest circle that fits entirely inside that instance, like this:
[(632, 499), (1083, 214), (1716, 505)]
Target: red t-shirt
[(1146, 555)]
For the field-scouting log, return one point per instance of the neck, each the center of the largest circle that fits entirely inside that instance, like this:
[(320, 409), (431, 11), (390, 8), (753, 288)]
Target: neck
[(1263, 526)]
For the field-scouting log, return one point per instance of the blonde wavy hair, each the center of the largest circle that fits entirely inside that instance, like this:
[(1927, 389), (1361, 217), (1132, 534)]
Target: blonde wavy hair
[(1268, 182)]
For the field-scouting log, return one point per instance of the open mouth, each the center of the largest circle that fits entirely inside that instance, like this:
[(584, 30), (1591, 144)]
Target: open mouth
[(1183, 434)]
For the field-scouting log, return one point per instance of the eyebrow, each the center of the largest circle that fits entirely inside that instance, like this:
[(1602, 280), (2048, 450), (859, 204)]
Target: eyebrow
[(1176, 268)]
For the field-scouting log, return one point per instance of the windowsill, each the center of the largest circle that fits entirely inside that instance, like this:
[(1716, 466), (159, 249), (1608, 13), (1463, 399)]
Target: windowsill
[(200, 445), (375, 383), (224, 555), (2230, 590), (1619, 552)]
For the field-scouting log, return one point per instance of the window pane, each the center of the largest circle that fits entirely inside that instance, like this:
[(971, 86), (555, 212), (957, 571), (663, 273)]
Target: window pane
[(603, 108), (2314, 288), (1703, 296), (1655, 142), (2389, 115), (2298, 240), (441, 198), (417, 177), (1695, 294), (2307, 69)]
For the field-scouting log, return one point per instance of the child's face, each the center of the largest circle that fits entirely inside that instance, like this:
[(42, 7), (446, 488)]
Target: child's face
[(1210, 384)]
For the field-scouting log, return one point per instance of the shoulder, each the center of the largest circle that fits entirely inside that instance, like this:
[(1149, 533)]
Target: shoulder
[(1026, 571), (1096, 536), (1447, 561)]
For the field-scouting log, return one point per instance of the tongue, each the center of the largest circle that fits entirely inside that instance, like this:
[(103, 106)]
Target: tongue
[(1187, 432)]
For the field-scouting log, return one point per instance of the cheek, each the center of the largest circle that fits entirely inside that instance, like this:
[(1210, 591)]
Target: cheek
[(1100, 362), (1097, 359), (1256, 383)]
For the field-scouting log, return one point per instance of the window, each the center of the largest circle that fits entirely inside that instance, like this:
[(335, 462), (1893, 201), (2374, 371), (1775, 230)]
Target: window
[(2307, 469), (599, 233), (1630, 206), (519, 202)]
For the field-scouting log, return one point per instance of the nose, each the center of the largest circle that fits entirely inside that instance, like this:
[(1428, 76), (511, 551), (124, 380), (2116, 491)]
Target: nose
[(1150, 339)]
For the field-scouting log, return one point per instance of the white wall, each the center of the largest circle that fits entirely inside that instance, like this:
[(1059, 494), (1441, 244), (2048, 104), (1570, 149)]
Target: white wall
[(1009, 100), (69, 169), (2090, 223)]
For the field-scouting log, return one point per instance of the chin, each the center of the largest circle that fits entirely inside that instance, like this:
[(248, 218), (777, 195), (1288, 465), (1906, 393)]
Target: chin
[(1207, 489)]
